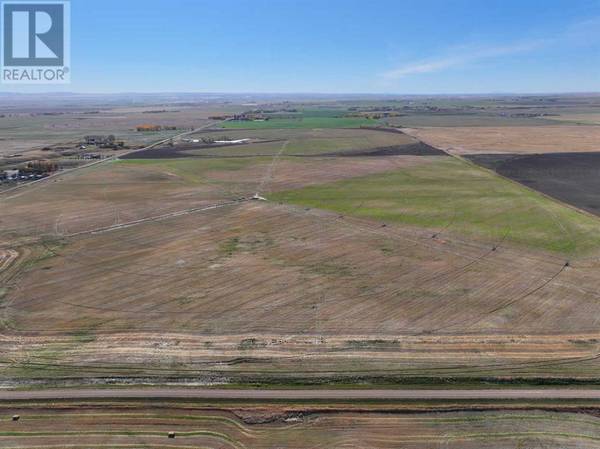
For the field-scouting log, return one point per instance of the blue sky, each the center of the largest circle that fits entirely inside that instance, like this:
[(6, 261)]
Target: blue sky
[(336, 46)]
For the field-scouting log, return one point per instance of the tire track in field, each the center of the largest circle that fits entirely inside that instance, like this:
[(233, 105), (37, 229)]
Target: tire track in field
[(268, 176), (527, 293), (451, 272), (465, 267), (107, 268)]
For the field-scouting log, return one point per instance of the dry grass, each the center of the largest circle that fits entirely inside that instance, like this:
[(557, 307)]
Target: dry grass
[(101, 196), (259, 268), (267, 285), (275, 359)]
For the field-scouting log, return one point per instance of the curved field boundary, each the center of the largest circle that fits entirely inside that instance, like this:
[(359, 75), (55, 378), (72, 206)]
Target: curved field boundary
[(7, 257)]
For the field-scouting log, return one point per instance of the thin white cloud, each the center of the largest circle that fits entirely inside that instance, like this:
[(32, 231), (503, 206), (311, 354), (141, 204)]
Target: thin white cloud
[(460, 56), (423, 67), (584, 32)]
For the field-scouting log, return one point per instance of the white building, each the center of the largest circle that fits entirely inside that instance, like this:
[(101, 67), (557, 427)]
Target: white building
[(10, 174)]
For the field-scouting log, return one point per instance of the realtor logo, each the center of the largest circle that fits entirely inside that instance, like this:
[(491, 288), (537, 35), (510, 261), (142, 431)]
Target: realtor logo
[(35, 42)]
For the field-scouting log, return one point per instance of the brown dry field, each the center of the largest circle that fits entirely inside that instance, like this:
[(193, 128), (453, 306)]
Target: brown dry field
[(515, 139), (260, 291), (315, 272), (271, 426), (100, 196)]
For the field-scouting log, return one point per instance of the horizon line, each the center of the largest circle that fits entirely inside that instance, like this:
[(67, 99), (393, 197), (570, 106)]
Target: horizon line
[(306, 93)]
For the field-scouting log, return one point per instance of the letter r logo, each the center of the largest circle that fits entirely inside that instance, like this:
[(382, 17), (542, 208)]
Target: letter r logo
[(33, 34)]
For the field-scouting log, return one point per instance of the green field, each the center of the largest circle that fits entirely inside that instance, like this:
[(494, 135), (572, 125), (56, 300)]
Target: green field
[(458, 198), (301, 141), (302, 122), (194, 171)]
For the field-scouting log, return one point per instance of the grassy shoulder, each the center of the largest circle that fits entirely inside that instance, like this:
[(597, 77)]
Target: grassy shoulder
[(454, 196)]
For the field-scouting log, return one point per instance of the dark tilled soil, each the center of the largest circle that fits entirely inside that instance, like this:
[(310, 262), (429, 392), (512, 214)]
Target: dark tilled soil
[(413, 149), (167, 152), (570, 177), (383, 129)]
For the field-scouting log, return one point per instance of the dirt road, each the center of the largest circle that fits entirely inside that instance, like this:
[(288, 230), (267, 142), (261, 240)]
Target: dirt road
[(181, 393)]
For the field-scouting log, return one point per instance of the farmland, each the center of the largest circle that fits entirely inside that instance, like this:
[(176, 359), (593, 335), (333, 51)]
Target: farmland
[(570, 177), (300, 225), (269, 425), (33, 128), (201, 288), (376, 259), (302, 122), (451, 195), (269, 142), (517, 139)]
